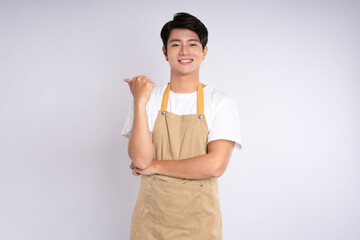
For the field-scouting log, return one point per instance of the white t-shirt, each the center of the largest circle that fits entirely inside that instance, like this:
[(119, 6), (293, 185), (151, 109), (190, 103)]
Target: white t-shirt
[(220, 111)]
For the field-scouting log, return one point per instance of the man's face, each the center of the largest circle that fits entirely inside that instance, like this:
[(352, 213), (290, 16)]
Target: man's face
[(184, 51)]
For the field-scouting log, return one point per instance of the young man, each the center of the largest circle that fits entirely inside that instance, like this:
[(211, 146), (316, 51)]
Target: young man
[(181, 137)]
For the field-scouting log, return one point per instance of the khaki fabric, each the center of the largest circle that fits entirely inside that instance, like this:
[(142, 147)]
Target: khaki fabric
[(169, 208)]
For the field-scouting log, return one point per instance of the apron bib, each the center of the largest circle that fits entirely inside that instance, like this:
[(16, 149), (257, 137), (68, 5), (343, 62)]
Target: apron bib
[(169, 208)]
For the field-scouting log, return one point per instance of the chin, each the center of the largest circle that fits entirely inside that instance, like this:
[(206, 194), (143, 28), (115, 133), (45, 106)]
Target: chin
[(186, 72)]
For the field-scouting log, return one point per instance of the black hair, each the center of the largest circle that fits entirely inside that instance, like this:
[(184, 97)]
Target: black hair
[(185, 20)]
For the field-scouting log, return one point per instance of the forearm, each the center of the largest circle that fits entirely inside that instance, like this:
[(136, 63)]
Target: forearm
[(212, 164), (201, 167), (140, 146)]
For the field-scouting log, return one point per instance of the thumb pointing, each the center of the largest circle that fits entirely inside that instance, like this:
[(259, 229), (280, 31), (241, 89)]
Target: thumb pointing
[(128, 81)]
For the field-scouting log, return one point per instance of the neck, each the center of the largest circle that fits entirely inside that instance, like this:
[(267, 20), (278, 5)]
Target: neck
[(184, 83)]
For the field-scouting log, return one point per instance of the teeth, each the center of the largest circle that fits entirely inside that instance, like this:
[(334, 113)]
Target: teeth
[(185, 60)]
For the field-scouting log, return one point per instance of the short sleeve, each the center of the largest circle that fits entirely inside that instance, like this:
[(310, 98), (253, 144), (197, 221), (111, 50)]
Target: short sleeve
[(129, 121), (226, 123), (126, 131)]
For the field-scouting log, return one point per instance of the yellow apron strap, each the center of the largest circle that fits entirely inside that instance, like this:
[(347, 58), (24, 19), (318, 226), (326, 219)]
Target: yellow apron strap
[(200, 99), (165, 98)]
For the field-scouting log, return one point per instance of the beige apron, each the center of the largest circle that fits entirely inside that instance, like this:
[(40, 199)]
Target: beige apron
[(169, 208)]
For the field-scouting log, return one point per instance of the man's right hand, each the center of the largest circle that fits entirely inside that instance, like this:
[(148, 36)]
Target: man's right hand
[(140, 142), (141, 88)]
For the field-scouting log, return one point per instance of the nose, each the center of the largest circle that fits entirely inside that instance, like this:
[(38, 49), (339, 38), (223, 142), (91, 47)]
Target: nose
[(184, 50)]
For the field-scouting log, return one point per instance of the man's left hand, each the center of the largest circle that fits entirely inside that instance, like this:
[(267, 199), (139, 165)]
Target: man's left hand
[(148, 171)]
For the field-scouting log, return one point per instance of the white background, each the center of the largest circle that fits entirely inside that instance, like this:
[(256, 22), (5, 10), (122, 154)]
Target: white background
[(292, 66)]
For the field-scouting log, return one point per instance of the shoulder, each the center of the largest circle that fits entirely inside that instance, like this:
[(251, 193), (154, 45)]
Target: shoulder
[(217, 98)]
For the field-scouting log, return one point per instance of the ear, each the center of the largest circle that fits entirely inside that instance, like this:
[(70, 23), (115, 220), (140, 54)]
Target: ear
[(205, 51), (165, 53)]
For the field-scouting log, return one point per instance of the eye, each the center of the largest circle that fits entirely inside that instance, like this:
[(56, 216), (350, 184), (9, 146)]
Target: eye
[(193, 45), (175, 45)]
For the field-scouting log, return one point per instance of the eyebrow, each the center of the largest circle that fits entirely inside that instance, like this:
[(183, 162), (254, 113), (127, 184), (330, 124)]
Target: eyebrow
[(190, 40)]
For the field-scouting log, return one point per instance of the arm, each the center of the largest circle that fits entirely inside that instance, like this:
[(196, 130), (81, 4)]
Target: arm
[(212, 164), (140, 146)]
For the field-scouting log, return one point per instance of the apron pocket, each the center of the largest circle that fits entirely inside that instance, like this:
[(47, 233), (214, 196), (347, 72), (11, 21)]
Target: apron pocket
[(177, 207)]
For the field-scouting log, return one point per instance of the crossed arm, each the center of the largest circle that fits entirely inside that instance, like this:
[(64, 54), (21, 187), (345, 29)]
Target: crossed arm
[(212, 164), (140, 147)]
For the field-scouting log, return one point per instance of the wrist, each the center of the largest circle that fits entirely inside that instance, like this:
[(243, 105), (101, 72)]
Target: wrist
[(140, 102), (156, 166), (139, 106)]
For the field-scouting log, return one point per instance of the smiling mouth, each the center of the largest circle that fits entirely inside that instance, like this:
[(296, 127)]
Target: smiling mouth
[(186, 60)]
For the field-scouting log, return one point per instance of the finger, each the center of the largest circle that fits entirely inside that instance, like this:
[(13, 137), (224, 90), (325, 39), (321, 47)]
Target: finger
[(137, 170), (140, 78), (135, 173), (128, 81)]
